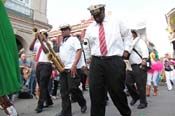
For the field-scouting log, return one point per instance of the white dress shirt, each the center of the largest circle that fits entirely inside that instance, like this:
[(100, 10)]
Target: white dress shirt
[(118, 37), (43, 56), (68, 51), (141, 48), (86, 49)]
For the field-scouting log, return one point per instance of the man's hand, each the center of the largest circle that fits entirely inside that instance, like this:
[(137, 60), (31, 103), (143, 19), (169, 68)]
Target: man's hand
[(143, 63), (73, 71), (85, 70), (126, 54), (88, 61), (36, 35)]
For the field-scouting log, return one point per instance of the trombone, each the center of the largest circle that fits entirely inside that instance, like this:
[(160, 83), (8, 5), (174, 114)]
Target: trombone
[(51, 55)]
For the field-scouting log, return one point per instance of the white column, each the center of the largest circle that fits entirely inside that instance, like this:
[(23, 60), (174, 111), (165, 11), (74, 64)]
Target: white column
[(40, 8)]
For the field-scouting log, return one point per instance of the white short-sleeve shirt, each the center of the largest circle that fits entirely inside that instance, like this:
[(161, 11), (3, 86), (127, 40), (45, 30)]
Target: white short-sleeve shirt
[(141, 48), (68, 51), (43, 56)]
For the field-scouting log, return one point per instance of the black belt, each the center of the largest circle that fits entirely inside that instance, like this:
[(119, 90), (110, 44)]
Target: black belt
[(135, 65), (68, 70), (46, 63), (106, 57)]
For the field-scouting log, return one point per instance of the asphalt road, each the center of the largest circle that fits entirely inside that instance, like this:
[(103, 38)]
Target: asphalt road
[(161, 105)]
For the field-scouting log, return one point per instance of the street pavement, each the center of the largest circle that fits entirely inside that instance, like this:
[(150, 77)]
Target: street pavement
[(161, 105)]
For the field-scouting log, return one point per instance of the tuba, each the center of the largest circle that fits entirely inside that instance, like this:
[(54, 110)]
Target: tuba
[(52, 55)]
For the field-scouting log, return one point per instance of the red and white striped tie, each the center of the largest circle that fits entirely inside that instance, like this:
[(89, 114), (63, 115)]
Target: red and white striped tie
[(38, 55), (103, 47)]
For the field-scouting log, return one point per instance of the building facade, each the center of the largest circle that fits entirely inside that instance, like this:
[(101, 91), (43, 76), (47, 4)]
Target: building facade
[(24, 16), (75, 29), (170, 18)]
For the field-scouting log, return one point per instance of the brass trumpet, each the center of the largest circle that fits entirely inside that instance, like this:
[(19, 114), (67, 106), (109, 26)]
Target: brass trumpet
[(52, 55)]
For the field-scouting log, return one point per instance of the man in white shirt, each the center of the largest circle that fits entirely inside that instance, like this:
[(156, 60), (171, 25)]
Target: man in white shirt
[(43, 69), (138, 75), (109, 41), (70, 54)]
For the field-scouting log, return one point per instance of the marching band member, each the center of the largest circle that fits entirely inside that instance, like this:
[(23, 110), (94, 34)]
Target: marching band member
[(138, 75), (70, 54), (109, 41), (43, 69)]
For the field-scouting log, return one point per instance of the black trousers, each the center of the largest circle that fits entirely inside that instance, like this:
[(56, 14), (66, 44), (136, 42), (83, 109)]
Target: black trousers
[(138, 76), (55, 87), (83, 79), (107, 74), (43, 73), (70, 85)]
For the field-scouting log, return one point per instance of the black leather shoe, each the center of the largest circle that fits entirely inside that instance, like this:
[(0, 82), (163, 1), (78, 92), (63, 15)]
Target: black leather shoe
[(38, 110), (83, 109), (48, 104), (141, 106), (133, 101)]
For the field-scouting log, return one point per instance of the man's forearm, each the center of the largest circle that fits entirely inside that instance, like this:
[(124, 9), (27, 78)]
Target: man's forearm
[(77, 57)]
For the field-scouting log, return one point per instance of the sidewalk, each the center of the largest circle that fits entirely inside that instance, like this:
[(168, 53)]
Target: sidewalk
[(161, 105)]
